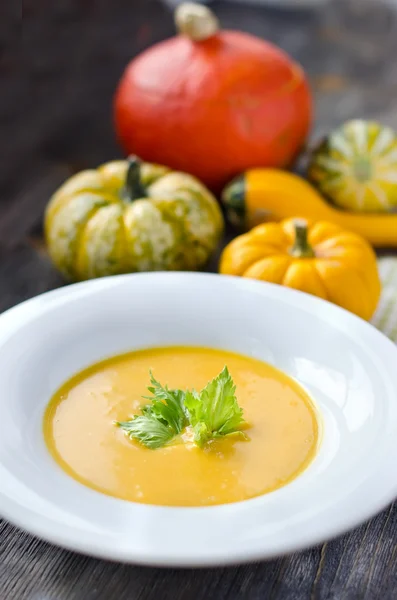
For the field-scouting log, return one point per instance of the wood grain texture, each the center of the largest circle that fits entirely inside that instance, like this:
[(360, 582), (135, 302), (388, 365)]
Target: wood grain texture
[(55, 118)]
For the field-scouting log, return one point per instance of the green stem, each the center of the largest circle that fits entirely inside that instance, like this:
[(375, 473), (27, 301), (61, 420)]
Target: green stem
[(301, 247), (133, 186)]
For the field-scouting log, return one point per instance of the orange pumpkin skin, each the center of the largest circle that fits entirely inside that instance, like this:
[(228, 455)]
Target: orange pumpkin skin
[(320, 258), (215, 107)]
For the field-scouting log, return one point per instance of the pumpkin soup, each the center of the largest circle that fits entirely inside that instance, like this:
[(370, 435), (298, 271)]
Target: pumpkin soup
[(103, 430)]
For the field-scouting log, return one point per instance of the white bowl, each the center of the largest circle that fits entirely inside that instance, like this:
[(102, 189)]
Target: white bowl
[(348, 367)]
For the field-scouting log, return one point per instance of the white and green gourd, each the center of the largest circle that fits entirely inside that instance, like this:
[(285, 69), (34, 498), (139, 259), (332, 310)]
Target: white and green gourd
[(130, 216), (355, 167)]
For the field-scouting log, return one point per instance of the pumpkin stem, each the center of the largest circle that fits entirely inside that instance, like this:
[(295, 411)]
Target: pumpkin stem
[(196, 21), (301, 247), (133, 186)]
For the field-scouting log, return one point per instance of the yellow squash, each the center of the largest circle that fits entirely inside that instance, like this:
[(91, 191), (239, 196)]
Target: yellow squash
[(271, 195), (321, 259), (130, 216)]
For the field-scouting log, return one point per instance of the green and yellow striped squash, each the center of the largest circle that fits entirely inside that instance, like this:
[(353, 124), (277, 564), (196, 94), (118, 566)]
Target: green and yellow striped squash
[(128, 216), (355, 167)]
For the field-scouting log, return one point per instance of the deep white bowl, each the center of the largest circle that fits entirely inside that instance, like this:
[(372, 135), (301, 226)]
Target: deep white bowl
[(348, 367)]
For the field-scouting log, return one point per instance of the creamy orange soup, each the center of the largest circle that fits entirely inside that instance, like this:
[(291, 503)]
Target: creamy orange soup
[(80, 432)]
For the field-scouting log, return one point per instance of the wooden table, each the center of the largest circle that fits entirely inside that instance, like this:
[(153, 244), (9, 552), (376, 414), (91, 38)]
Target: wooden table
[(56, 118)]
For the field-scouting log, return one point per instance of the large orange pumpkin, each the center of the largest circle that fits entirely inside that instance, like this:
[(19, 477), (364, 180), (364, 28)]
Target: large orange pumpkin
[(212, 103)]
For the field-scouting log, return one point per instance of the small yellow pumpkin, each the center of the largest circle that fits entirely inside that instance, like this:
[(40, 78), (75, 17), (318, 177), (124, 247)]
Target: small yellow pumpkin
[(319, 258), (130, 216)]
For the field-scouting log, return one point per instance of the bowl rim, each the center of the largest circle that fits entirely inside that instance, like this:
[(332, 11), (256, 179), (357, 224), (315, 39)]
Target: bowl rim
[(43, 527)]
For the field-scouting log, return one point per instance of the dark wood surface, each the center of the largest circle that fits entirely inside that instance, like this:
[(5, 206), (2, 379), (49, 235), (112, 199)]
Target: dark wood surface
[(55, 117)]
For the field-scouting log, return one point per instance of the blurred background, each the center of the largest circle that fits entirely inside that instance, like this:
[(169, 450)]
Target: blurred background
[(57, 88)]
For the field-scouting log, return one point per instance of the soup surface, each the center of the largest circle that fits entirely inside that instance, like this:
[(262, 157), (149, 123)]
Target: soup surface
[(80, 432)]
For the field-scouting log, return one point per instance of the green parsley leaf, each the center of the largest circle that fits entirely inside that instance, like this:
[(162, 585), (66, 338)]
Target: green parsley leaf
[(149, 431), (214, 412)]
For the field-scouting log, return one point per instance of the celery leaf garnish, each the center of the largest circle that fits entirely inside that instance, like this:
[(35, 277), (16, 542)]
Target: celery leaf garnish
[(212, 413)]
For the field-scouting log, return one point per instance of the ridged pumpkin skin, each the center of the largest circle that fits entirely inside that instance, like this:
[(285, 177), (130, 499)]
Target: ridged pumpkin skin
[(332, 263), (355, 167), (213, 107), (94, 228)]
